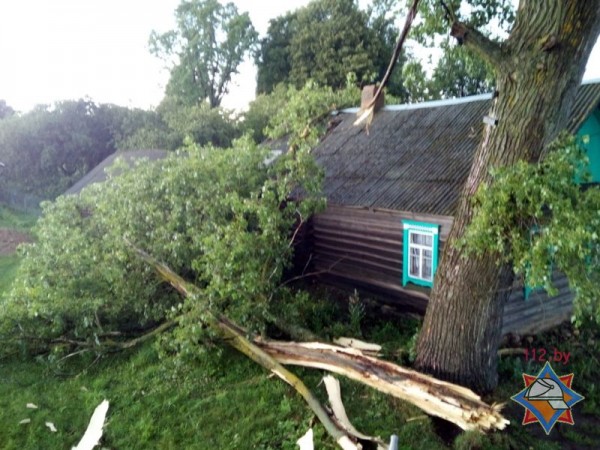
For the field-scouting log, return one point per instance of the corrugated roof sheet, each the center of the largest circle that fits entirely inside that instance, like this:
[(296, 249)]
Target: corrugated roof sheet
[(414, 159), (98, 173)]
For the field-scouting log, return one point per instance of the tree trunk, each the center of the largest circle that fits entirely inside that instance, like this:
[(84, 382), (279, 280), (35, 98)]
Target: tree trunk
[(539, 68)]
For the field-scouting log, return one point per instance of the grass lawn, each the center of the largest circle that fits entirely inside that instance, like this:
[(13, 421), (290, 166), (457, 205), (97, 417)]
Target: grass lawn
[(15, 220), (225, 401)]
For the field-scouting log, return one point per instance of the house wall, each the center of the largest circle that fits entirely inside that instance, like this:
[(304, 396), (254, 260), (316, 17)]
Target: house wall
[(361, 248), (538, 312)]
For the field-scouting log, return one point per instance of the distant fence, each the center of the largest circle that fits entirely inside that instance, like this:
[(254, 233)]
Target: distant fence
[(20, 201)]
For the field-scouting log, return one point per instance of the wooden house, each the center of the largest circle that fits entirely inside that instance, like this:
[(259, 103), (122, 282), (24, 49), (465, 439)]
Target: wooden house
[(392, 191)]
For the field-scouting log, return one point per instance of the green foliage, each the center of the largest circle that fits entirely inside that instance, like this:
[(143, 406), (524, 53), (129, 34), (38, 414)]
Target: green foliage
[(459, 74), (356, 310), (489, 16), (49, 148), (304, 120), (200, 123), (262, 109), (287, 111), (8, 269), (205, 50), (172, 122), (325, 41), (538, 217), (215, 216), (142, 129), (221, 218)]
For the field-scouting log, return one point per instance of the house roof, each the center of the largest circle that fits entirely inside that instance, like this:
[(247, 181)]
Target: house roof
[(414, 157), (98, 173)]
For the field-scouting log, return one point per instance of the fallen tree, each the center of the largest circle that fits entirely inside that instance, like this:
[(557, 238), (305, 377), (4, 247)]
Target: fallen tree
[(448, 401)]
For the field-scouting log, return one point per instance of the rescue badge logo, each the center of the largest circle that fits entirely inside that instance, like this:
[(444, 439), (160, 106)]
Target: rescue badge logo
[(547, 398)]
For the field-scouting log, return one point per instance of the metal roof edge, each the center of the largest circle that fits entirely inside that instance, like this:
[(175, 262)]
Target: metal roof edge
[(445, 102), (591, 81), (428, 104)]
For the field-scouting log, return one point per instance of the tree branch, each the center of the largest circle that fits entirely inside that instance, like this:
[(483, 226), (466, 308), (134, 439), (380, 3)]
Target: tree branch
[(451, 402), (476, 41), (480, 44)]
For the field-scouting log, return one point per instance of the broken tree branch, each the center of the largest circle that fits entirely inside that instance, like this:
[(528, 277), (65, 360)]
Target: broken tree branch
[(480, 44), (451, 402), (236, 338)]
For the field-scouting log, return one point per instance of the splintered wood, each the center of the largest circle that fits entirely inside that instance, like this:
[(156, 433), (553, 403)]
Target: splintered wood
[(451, 402)]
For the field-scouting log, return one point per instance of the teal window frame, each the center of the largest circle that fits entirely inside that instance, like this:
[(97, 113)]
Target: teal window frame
[(429, 229)]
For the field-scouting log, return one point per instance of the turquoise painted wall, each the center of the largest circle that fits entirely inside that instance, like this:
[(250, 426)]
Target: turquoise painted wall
[(591, 128)]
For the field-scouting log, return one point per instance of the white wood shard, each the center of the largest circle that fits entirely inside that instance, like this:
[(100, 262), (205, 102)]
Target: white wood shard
[(339, 411), (365, 347), (92, 435), (306, 442), (25, 421), (51, 427), (32, 406)]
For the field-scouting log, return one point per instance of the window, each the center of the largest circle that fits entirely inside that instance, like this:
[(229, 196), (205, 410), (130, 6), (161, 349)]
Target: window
[(420, 252)]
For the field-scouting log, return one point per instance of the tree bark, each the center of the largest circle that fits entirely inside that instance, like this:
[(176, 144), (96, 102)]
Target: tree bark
[(539, 68)]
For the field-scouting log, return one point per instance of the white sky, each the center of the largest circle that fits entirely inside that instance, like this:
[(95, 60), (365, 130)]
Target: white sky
[(54, 50)]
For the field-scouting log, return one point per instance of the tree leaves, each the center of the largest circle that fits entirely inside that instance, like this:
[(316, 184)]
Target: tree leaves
[(540, 217), (205, 50)]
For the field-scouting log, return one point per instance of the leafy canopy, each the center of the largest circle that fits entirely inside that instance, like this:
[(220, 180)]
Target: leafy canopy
[(49, 148), (325, 41), (541, 218), (205, 50), (223, 218)]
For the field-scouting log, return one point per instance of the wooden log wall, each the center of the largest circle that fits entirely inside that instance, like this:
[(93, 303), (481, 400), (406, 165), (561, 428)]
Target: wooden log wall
[(361, 248), (538, 312)]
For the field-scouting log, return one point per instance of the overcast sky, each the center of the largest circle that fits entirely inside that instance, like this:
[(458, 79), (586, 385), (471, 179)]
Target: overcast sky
[(68, 49)]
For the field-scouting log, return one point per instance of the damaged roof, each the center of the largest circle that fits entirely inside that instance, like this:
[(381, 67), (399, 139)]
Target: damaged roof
[(414, 157)]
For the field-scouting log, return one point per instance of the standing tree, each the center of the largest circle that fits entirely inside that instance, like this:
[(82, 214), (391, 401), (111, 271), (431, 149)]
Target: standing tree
[(325, 41), (208, 45), (538, 69), (459, 74), (273, 57)]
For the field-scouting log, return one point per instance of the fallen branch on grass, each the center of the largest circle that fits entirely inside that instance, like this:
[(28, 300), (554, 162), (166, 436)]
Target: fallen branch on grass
[(236, 337), (451, 402)]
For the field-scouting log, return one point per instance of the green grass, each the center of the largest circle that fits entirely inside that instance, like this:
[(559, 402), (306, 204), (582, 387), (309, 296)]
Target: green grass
[(10, 218), (9, 263), (225, 402)]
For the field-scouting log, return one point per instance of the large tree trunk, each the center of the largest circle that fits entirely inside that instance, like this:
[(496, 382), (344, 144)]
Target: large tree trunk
[(539, 68)]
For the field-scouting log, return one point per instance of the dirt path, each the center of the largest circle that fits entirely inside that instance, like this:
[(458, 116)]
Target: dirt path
[(9, 239)]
